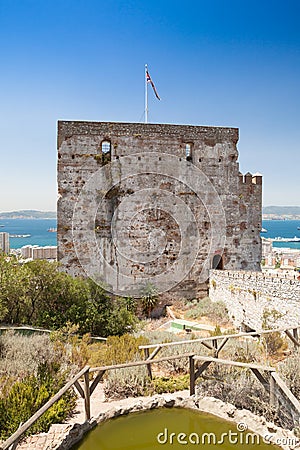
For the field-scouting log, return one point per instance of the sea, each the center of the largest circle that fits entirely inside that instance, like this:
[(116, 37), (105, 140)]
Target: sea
[(37, 229), (284, 229)]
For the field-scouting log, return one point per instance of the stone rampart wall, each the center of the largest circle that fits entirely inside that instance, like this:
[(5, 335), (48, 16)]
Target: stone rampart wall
[(255, 297)]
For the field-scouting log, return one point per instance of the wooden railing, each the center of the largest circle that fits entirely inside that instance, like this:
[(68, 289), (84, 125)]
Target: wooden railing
[(211, 342), (274, 384), (85, 392)]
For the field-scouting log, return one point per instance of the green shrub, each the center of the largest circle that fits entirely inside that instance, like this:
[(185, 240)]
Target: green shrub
[(159, 385), (274, 342), (289, 370), (149, 298), (22, 355), (215, 311), (21, 400), (134, 382), (129, 382), (117, 350), (178, 365)]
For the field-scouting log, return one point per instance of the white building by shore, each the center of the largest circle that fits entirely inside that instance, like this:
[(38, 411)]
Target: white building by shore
[(4, 242), (36, 252), (280, 257)]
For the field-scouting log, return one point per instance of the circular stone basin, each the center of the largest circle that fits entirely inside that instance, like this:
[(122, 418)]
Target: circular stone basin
[(174, 428)]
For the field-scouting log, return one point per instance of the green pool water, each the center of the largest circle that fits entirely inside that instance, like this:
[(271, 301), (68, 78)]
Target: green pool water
[(175, 428)]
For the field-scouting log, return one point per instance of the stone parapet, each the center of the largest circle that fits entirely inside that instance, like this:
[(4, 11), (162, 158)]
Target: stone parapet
[(253, 298)]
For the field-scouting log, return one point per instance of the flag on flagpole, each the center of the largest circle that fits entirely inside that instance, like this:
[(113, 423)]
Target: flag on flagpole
[(149, 80)]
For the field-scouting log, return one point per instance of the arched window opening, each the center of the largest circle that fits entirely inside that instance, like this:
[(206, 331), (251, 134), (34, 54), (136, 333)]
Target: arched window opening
[(188, 151), (218, 262), (105, 147), (106, 151)]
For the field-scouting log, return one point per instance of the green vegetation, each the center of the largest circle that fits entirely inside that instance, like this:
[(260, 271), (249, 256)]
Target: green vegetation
[(149, 298), (241, 388), (277, 264), (18, 402), (275, 343), (159, 385), (32, 370), (81, 351), (38, 294), (216, 311)]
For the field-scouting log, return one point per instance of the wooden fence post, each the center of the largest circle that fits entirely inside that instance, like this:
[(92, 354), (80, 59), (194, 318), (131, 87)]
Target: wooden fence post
[(296, 337), (87, 400), (273, 399), (192, 374), (215, 347), (146, 350)]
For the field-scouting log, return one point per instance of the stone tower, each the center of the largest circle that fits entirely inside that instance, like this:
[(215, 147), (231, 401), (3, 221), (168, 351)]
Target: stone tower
[(154, 203)]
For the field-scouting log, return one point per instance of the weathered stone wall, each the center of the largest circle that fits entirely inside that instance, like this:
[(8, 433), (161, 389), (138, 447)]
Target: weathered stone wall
[(155, 157), (252, 297)]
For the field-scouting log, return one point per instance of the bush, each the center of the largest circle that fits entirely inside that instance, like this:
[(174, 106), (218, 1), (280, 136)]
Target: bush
[(239, 387), (129, 382), (134, 382), (149, 298), (247, 350), (274, 342), (215, 311), (21, 400), (289, 370), (22, 355), (32, 370), (159, 385)]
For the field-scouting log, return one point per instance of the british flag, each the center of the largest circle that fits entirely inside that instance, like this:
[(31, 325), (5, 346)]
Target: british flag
[(149, 80)]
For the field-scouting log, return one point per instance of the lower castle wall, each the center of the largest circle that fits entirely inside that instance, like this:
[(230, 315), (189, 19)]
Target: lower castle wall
[(252, 296)]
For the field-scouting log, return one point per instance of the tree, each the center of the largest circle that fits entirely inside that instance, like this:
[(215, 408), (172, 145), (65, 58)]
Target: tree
[(149, 298), (39, 294)]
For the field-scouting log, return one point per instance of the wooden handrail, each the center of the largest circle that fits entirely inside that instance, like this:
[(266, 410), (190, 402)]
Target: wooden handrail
[(87, 392), (139, 363), (286, 391), (222, 336), (234, 363), (88, 389)]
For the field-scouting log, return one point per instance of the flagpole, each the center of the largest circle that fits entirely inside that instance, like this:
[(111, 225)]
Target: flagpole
[(146, 95)]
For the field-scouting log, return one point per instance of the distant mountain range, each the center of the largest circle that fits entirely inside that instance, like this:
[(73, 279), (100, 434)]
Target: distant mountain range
[(28, 214), (35, 214), (282, 210)]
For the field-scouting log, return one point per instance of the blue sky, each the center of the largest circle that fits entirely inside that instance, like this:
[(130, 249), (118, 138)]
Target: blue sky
[(214, 62)]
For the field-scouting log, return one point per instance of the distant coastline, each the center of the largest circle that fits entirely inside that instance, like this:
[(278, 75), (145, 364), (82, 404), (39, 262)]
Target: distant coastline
[(28, 214), (281, 213), (268, 213)]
